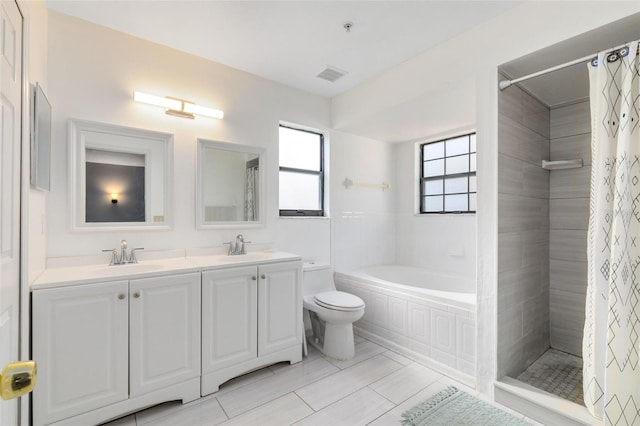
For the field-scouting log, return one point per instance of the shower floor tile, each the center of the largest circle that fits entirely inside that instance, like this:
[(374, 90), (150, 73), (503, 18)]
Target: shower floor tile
[(558, 373)]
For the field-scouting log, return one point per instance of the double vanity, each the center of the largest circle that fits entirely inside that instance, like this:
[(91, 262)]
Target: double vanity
[(110, 340)]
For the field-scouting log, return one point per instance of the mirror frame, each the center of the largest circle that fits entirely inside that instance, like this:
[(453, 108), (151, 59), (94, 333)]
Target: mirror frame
[(41, 140), (77, 178), (260, 152)]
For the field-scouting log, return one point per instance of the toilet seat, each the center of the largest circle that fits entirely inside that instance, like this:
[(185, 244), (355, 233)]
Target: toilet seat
[(339, 301)]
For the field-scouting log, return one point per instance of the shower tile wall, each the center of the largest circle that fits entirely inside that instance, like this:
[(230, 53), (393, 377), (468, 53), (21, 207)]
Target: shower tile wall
[(523, 231), (569, 217)]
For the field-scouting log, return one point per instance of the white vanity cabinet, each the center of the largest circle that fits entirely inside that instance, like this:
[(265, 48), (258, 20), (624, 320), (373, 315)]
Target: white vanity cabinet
[(164, 330), (81, 341), (251, 317), (110, 348)]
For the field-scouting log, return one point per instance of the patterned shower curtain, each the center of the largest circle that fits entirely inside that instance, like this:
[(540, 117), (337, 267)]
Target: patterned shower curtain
[(611, 343), (251, 196)]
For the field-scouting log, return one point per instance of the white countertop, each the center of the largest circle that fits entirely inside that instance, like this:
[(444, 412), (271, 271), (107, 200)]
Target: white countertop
[(214, 261), (65, 272)]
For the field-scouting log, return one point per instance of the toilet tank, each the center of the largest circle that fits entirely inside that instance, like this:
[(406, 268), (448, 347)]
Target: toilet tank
[(316, 278)]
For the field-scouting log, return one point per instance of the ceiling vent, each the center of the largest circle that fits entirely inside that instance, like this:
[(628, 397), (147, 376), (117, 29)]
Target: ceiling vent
[(331, 74)]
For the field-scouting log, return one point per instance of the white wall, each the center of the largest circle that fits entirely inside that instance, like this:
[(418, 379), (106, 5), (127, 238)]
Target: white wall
[(470, 61), (93, 72), (444, 243), (34, 202), (363, 218), (36, 21)]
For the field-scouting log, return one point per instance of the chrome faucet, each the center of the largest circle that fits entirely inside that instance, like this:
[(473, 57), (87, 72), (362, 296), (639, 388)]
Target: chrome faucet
[(238, 246), (123, 258), (123, 251)]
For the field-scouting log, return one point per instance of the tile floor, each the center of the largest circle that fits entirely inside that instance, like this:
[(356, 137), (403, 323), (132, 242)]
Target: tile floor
[(558, 373), (374, 388)]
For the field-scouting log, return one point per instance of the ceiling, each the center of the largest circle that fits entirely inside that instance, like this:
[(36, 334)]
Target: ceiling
[(292, 41), (570, 84)]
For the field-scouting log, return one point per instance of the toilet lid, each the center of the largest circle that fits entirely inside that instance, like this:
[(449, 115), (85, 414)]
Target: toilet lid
[(339, 301)]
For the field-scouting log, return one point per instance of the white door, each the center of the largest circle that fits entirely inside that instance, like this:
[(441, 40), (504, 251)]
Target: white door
[(229, 319), (164, 331), (10, 131), (279, 307), (81, 342)]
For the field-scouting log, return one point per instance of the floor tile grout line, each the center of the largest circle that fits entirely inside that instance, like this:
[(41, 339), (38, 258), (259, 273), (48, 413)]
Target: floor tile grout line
[(197, 403), (352, 365), (365, 386), (339, 400), (305, 402), (222, 408), (358, 389), (280, 396), (410, 396), (389, 350), (395, 405)]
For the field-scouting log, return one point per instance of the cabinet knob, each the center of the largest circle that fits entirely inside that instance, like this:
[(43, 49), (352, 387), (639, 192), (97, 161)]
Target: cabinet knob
[(121, 296), (253, 278), (136, 295), (263, 276)]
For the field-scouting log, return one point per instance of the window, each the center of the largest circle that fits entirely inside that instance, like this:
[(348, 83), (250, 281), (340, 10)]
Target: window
[(301, 172), (448, 175)]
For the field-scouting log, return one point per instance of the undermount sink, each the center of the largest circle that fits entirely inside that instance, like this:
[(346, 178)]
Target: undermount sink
[(129, 268)]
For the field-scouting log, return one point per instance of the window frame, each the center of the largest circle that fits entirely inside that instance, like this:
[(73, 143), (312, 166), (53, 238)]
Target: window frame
[(320, 174), (422, 179)]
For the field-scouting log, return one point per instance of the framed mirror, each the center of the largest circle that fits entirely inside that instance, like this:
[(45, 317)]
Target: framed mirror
[(230, 185), (121, 177)]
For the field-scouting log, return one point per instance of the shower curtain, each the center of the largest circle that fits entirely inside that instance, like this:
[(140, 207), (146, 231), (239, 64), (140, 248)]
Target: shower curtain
[(611, 342), (251, 196)]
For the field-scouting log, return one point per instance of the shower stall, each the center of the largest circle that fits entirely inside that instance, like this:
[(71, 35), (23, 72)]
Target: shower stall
[(543, 214), (544, 177)]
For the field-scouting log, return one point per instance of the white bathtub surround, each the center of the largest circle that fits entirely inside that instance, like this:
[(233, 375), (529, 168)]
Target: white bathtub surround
[(434, 326), (363, 238), (610, 348)]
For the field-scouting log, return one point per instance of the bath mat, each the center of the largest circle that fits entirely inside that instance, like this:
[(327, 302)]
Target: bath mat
[(454, 407)]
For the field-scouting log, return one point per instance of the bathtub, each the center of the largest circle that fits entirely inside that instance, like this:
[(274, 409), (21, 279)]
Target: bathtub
[(426, 315)]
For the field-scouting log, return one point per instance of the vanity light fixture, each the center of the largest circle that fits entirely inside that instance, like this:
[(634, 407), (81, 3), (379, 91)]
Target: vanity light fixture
[(114, 197), (177, 107)]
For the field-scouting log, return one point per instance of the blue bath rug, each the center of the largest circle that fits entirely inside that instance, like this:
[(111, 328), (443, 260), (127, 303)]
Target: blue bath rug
[(454, 407)]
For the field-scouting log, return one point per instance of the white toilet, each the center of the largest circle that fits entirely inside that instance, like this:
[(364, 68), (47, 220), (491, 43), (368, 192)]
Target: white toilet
[(331, 312)]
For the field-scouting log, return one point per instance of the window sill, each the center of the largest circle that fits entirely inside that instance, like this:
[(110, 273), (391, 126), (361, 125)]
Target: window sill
[(304, 217), (445, 214)]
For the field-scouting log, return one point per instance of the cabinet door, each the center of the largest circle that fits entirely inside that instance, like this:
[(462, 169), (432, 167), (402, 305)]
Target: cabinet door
[(229, 319), (279, 306), (80, 341), (164, 331)]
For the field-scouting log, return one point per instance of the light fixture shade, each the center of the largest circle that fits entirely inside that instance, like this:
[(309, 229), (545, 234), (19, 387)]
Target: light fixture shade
[(146, 98), (177, 107), (204, 111)]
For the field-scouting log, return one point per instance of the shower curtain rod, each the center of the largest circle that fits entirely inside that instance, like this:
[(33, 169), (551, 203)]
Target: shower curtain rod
[(503, 84)]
